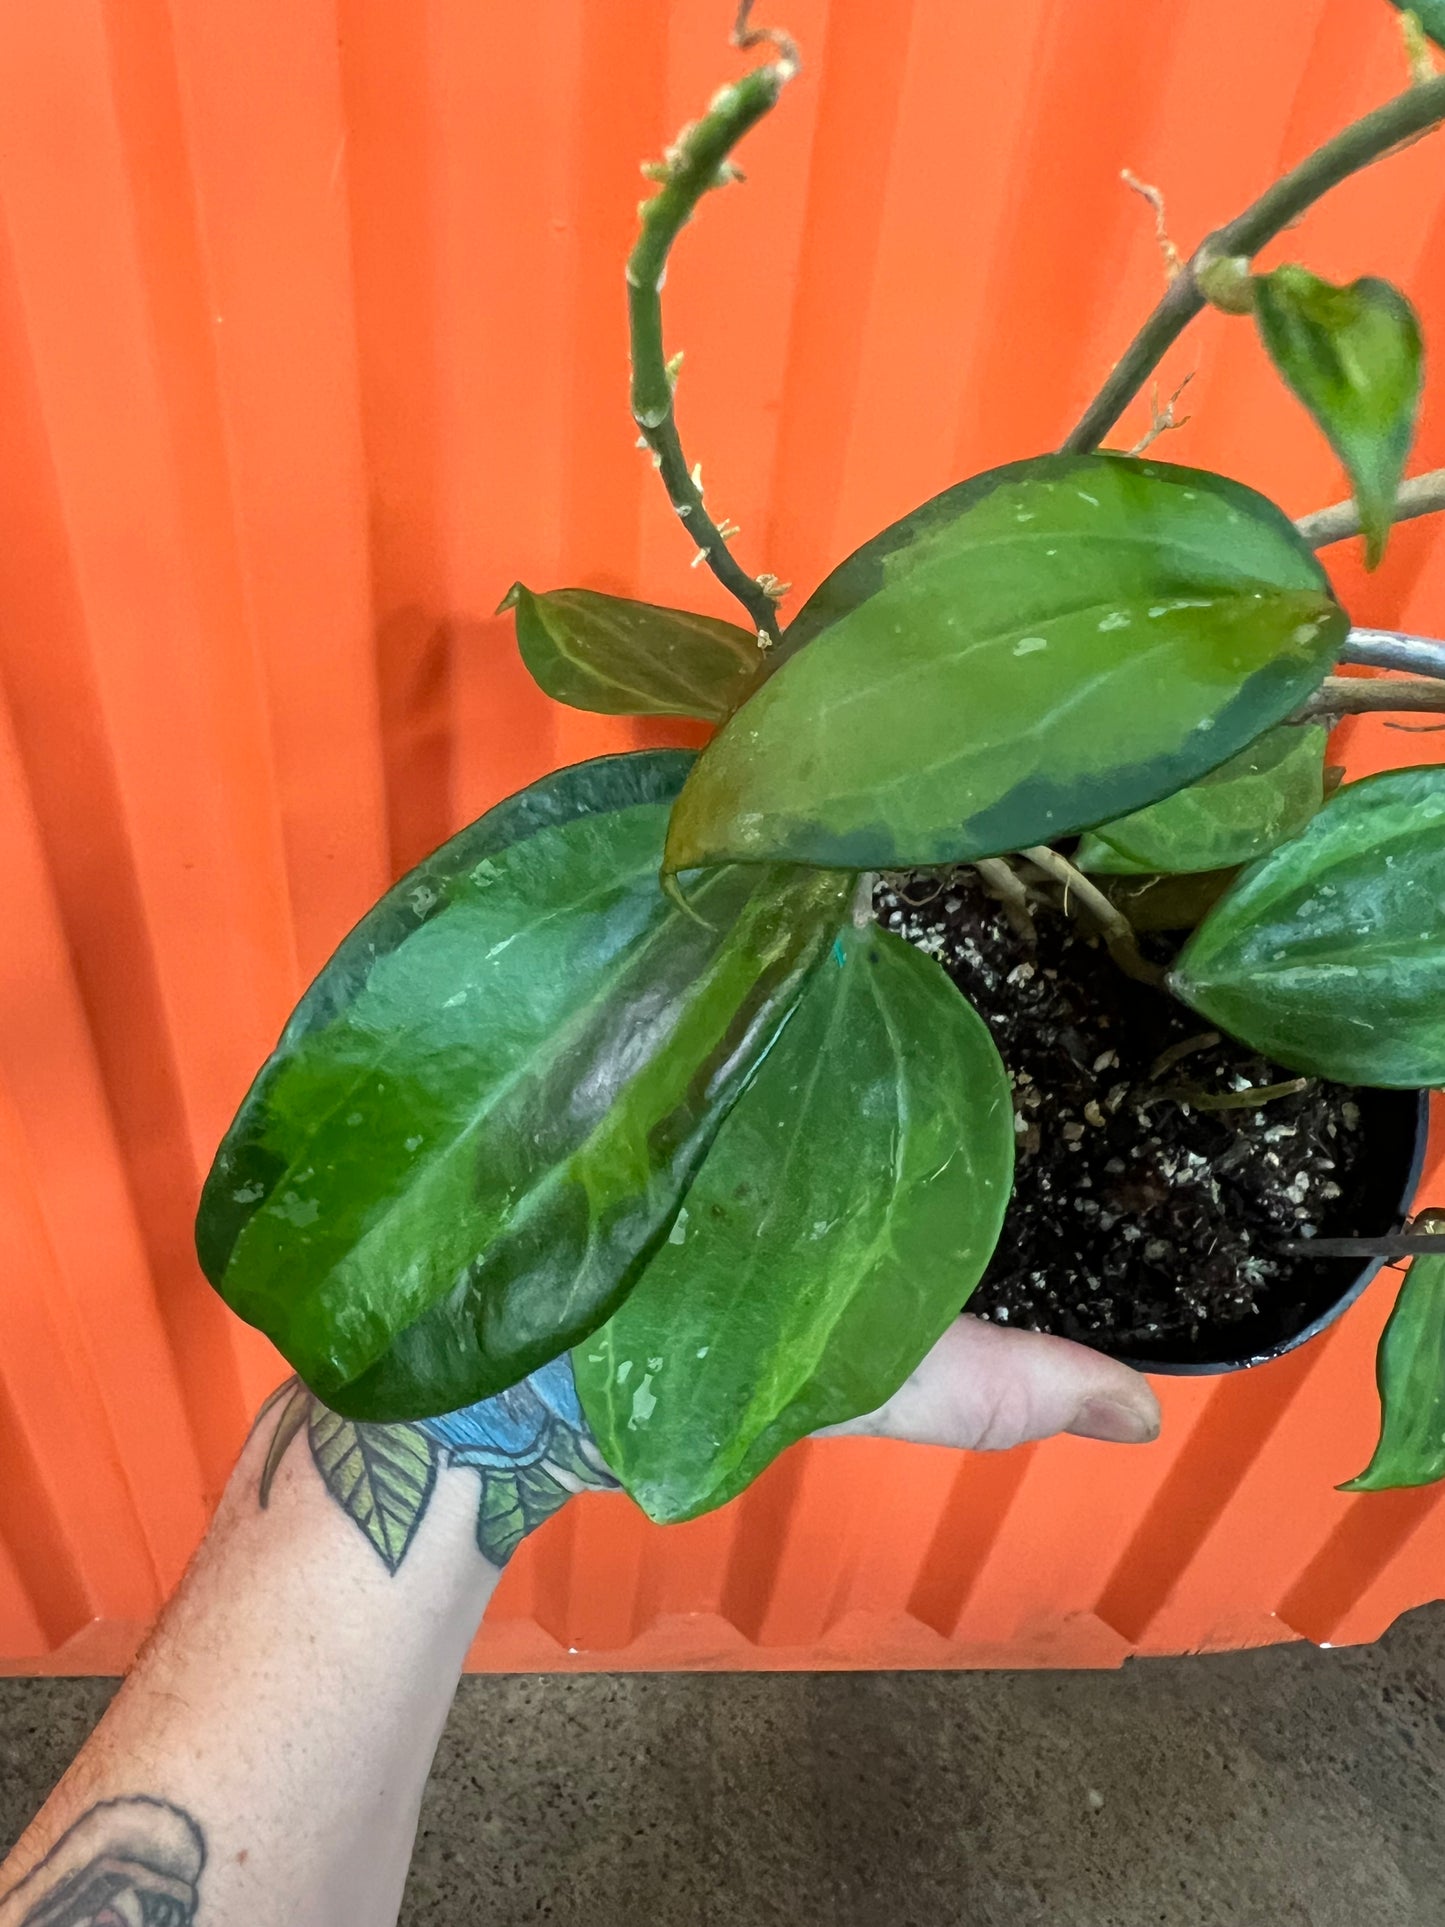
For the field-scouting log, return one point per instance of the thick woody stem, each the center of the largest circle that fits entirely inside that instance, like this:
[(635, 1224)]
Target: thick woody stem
[(1421, 495), (1399, 120), (697, 161), (1365, 695)]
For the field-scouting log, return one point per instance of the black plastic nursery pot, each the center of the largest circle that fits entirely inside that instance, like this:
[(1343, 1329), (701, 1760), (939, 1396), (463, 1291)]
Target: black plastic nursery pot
[(1395, 1125), (1158, 1208)]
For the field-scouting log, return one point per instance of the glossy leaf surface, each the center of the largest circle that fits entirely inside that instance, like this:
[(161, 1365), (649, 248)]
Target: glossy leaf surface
[(1041, 649), (622, 658), (1353, 356), (487, 1107), (1257, 799), (847, 1207), (1329, 954), (1410, 1373)]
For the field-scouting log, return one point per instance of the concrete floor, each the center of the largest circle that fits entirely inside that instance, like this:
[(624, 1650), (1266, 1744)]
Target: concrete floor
[(1288, 1788)]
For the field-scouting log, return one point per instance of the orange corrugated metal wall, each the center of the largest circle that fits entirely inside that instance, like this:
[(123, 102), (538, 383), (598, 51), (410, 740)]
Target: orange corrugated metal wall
[(311, 341)]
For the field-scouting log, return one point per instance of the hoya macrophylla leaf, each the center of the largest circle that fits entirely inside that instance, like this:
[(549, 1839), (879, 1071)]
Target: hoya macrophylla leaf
[(847, 1207), (1047, 647), (1354, 356), (1328, 955), (1410, 1373), (488, 1107), (1257, 799), (618, 657)]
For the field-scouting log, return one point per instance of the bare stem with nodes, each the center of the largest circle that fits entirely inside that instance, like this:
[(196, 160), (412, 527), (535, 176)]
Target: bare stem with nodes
[(697, 161), (1398, 121)]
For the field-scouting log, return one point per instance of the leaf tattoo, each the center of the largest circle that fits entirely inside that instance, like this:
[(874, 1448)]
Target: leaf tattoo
[(382, 1477), (293, 1417), (530, 1445)]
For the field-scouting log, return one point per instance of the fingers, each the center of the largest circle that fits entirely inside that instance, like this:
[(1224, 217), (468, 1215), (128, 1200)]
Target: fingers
[(984, 1387)]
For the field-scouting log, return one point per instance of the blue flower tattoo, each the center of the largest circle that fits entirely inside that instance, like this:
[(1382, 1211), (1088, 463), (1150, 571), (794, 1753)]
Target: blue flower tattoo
[(533, 1449)]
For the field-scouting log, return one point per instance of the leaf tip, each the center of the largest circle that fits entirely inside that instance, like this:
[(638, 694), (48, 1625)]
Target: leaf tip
[(512, 598), (1377, 518)]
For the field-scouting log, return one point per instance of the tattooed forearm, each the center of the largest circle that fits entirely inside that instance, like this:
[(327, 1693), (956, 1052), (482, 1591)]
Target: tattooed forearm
[(125, 1863), (531, 1446)]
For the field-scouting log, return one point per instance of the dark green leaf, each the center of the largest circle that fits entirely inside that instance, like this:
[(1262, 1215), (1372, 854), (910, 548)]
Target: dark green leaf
[(1176, 902), (846, 1209), (1257, 799), (1329, 954), (380, 1475), (623, 658), (1041, 649), (1353, 356), (1410, 1372), (486, 1109)]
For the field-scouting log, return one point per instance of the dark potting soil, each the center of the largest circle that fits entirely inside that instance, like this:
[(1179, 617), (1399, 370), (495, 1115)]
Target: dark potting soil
[(1139, 1222)]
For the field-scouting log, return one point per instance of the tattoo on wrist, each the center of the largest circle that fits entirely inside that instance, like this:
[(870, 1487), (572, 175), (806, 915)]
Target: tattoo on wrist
[(124, 1863), (530, 1445)]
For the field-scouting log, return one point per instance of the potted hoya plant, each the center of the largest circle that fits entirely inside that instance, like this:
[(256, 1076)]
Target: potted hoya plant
[(1011, 942)]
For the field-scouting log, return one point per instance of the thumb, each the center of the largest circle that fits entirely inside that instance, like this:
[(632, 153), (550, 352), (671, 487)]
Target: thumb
[(985, 1388)]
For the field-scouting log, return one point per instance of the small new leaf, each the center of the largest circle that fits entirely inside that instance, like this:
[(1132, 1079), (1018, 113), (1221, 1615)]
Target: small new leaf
[(1256, 800), (1328, 955), (380, 1475), (617, 657), (1410, 1373), (1353, 356)]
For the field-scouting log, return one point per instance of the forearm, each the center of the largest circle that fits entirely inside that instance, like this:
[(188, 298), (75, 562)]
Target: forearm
[(265, 1761), (269, 1750)]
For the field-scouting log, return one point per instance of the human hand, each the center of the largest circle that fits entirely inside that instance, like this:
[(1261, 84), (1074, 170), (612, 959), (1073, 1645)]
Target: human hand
[(985, 1388), (982, 1388)]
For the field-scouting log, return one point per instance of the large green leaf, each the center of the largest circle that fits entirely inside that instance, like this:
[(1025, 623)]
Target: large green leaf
[(1254, 801), (1410, 1372), (1329, 954), (846, 1209), (624, 658), (485, 1111), (1041, 649), (1353, 355)]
